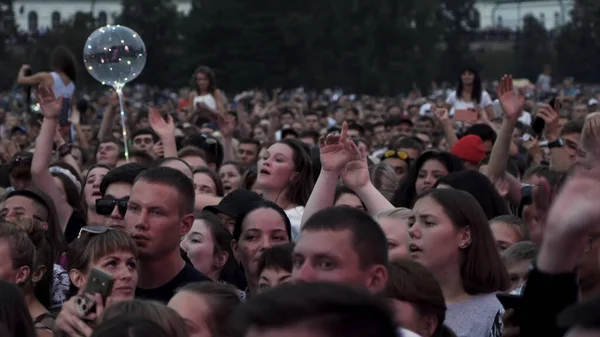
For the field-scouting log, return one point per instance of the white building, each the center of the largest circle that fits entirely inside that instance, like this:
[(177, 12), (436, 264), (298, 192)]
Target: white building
[(510, 13), (32, 15)]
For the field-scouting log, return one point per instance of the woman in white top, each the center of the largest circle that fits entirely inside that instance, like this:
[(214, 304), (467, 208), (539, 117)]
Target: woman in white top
[(61, 79), (469, 94), (285, 177), (205, 97)]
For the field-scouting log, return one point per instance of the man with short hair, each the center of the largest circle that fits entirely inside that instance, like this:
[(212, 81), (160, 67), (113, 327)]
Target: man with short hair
[(115, 189), (315, 310), (144, 139), (108, 152), (248, 151), (159, 213), (342, 244)]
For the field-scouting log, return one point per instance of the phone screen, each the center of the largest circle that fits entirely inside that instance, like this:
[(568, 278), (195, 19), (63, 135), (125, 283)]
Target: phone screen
[(465, 115)]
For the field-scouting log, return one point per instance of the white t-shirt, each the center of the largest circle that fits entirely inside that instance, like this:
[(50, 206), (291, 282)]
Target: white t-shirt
[(458, 103), (406, 333), (295, 215), (209, 100)]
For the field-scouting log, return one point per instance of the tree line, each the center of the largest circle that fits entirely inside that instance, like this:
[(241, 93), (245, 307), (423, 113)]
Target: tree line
[(367, 46)]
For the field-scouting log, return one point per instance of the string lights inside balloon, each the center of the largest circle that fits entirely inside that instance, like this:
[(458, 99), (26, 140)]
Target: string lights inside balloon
[(115, 55)]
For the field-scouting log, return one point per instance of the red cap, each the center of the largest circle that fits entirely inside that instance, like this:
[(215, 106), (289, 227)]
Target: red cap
[(469, 148)]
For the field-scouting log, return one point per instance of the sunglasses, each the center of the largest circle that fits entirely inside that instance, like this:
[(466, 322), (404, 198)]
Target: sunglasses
[(93, 230), (395, 154), (105, 206)]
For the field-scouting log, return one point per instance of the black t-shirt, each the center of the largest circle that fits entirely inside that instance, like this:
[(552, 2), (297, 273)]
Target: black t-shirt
[(76, 221), (164, 293)]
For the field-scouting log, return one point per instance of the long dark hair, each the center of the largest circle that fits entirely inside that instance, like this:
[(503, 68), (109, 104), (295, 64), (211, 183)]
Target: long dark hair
[(405, 194), (477, 88), (63, 60), (13, 311), (212, 81), (479, 186), (301, 187)]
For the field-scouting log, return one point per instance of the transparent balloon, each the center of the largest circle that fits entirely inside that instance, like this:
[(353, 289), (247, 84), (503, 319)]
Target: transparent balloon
[(114, 55)]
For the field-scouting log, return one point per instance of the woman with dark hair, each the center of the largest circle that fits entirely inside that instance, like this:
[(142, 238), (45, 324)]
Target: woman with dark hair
[(262, 226), (285, 177), (205, 97), (91, 192), (422, 176), (450, 236), (61, 80), (208, 246), (13, 311), (345, 196), (231, 175), (480, 187), (207, 181), (469, 94)]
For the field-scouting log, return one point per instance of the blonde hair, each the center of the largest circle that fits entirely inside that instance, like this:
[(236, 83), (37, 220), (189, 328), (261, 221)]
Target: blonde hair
[(399, 213), (156, 312), (384, 179)]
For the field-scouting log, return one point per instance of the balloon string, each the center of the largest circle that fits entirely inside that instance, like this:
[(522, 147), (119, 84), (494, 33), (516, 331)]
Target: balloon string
[(123, 126)]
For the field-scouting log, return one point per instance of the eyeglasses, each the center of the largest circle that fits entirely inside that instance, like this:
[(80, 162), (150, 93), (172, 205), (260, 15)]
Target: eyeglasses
[(105, 206), (395, 154), (93, 230)]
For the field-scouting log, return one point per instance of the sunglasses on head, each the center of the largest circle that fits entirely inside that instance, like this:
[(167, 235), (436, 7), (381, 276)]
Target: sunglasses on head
[(105, 206), (395, 154), (92, 230)]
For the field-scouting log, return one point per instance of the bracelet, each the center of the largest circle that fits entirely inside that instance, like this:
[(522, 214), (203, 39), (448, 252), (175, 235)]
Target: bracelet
[(64, 149)]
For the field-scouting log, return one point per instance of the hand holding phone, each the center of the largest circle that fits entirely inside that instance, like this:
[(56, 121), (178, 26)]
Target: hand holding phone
[(99, 282)]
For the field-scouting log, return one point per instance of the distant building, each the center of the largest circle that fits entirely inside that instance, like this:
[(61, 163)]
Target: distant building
[(33, 15), (509, 14)]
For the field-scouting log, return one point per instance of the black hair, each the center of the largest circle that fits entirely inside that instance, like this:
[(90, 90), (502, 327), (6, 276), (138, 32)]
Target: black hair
[(212, 81), (145, 131), (14, 313), (341, 190), (122, 174), (63, 60), (279, 257), (368, 239), (477, 88), (483, 131), (251, 141), (327, 308), (175, 179), (239, 222), (479, 186), (213, 150), (405, 194), (409, 143)]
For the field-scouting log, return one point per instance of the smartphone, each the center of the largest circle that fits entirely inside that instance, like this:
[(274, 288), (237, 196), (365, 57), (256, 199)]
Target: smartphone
[(509, 301), (538, 126), (99, 282), (465, 115)]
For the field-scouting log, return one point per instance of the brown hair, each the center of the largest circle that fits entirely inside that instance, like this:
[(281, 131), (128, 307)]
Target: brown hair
[(411, 282), (191, 151), (301, 187), (222, 299), (157, 312), (22, 250), (481, 268), (214, 176), (212, 85), (90, 247)]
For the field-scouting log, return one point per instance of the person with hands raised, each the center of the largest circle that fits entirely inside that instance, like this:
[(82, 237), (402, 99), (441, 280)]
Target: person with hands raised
[(340, 157), (560, 160), (570, 222), (165, 129), (69, 219), (512, 103)]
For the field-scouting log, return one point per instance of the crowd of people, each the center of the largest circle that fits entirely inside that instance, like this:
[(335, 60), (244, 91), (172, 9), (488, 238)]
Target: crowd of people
[(465, 213)]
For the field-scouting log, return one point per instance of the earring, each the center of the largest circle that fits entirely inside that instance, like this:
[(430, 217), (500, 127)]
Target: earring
[(464, 245)]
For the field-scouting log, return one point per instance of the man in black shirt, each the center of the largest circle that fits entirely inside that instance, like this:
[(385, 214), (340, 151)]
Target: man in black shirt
[(159, 213)]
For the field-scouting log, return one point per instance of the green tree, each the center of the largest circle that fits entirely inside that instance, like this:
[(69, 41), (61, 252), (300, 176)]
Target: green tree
[(578, 43), (532, 49), (157, 22)]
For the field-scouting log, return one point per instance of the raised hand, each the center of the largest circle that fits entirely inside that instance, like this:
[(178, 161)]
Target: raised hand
[(512, 103), (442, 114), (356, 173), (335, 150), (50, 105), (163, 129), (226, 125), (551, 119)]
